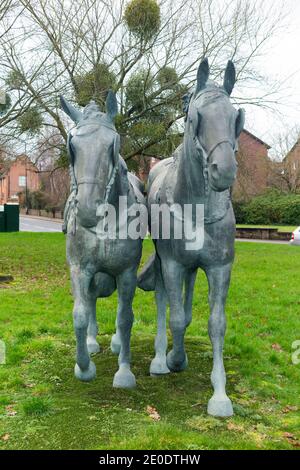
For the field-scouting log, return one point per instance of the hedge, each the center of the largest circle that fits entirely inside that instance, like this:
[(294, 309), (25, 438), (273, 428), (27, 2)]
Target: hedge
[(271, 208)]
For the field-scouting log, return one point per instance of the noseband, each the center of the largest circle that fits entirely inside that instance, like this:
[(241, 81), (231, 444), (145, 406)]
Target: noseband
[(206, 156), (226, 141)]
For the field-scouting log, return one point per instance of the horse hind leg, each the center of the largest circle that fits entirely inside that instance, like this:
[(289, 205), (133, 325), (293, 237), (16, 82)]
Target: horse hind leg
[(103, 285), (115, 344), (188, 296), (173, 276), (218, 279), (159, 363)]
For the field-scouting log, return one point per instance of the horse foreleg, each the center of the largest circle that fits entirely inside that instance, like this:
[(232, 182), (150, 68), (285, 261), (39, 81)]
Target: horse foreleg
[(218, 279), (159, 363), (126, 284), (84, 369)]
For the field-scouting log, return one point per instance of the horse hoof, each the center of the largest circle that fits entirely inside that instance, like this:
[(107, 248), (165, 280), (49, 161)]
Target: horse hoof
[(115, 345), (124, 378), (220, 408), (159, 367), (85, 375), (93, 347), (176, 365)]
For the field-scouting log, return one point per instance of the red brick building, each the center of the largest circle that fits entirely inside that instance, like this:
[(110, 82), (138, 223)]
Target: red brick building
[(290, 169), (16, 176), (253, 168)]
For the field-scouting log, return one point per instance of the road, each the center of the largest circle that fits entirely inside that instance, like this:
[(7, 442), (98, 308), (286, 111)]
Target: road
[(34, 224)]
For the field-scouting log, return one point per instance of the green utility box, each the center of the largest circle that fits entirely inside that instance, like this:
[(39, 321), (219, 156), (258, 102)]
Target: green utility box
[(9, 218), (12, 217), (2, 219)]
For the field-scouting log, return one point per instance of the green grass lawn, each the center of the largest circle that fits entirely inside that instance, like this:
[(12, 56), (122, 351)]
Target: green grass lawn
[(43, 406)]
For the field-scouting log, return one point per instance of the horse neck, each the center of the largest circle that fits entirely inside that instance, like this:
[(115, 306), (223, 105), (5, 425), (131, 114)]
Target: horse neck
[(191, 184)]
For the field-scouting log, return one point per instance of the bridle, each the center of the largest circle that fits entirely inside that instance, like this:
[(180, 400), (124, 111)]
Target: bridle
[(225, 141), (206, 156), (92, 180)]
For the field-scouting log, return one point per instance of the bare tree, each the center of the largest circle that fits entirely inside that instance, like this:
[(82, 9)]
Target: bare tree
[(53, 42), (285, 167)]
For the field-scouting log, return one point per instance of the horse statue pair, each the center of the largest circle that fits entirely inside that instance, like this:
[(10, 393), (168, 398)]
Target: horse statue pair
[(201, 171)]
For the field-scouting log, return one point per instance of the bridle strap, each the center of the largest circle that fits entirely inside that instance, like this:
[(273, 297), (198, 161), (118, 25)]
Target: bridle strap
[(88, 181), (218, 144)]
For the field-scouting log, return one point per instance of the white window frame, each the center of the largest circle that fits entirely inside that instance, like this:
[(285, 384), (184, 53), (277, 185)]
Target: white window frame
[(22, 178)]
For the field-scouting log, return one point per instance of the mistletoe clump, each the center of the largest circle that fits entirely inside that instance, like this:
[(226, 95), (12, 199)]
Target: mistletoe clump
[(142, 18)]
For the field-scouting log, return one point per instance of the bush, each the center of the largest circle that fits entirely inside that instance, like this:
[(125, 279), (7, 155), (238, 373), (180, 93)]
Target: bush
[(272, 207)]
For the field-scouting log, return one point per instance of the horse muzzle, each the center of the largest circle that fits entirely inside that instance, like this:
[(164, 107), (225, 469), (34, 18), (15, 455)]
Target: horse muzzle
[(222, 170)]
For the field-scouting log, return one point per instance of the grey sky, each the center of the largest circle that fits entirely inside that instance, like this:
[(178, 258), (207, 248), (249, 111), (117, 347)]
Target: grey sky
[(281, 62)]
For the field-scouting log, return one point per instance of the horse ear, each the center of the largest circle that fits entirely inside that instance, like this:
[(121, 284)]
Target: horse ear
[(240, 122), (229, 78), (202, 75), (111, 105), (72, 112)]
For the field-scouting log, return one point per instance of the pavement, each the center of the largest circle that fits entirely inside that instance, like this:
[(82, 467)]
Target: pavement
[(30, 223), (39, 224)]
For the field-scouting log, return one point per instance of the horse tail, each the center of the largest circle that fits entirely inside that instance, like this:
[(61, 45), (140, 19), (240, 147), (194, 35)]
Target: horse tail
[(147, 277)]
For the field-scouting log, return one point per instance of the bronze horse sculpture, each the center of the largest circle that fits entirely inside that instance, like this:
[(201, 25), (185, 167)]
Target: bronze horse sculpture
[(99, 265), (201, 171)]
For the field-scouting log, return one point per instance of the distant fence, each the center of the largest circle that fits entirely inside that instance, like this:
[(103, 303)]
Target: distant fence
[(43, 213)]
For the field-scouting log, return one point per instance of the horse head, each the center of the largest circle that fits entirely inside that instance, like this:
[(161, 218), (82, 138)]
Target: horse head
[(93, 148), (216, 125)]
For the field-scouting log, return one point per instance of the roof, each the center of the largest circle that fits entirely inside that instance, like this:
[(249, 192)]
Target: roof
[(257, 138), (293, 148)]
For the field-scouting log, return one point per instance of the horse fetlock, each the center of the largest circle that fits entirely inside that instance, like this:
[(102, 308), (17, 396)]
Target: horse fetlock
[(115, 344), (92, 345), (218, 378), (177, 362)]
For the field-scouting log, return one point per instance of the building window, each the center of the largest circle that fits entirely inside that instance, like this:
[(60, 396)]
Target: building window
[(22, 181)]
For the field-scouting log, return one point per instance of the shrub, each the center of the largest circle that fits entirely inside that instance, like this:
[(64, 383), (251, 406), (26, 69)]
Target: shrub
[(272, 207)]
